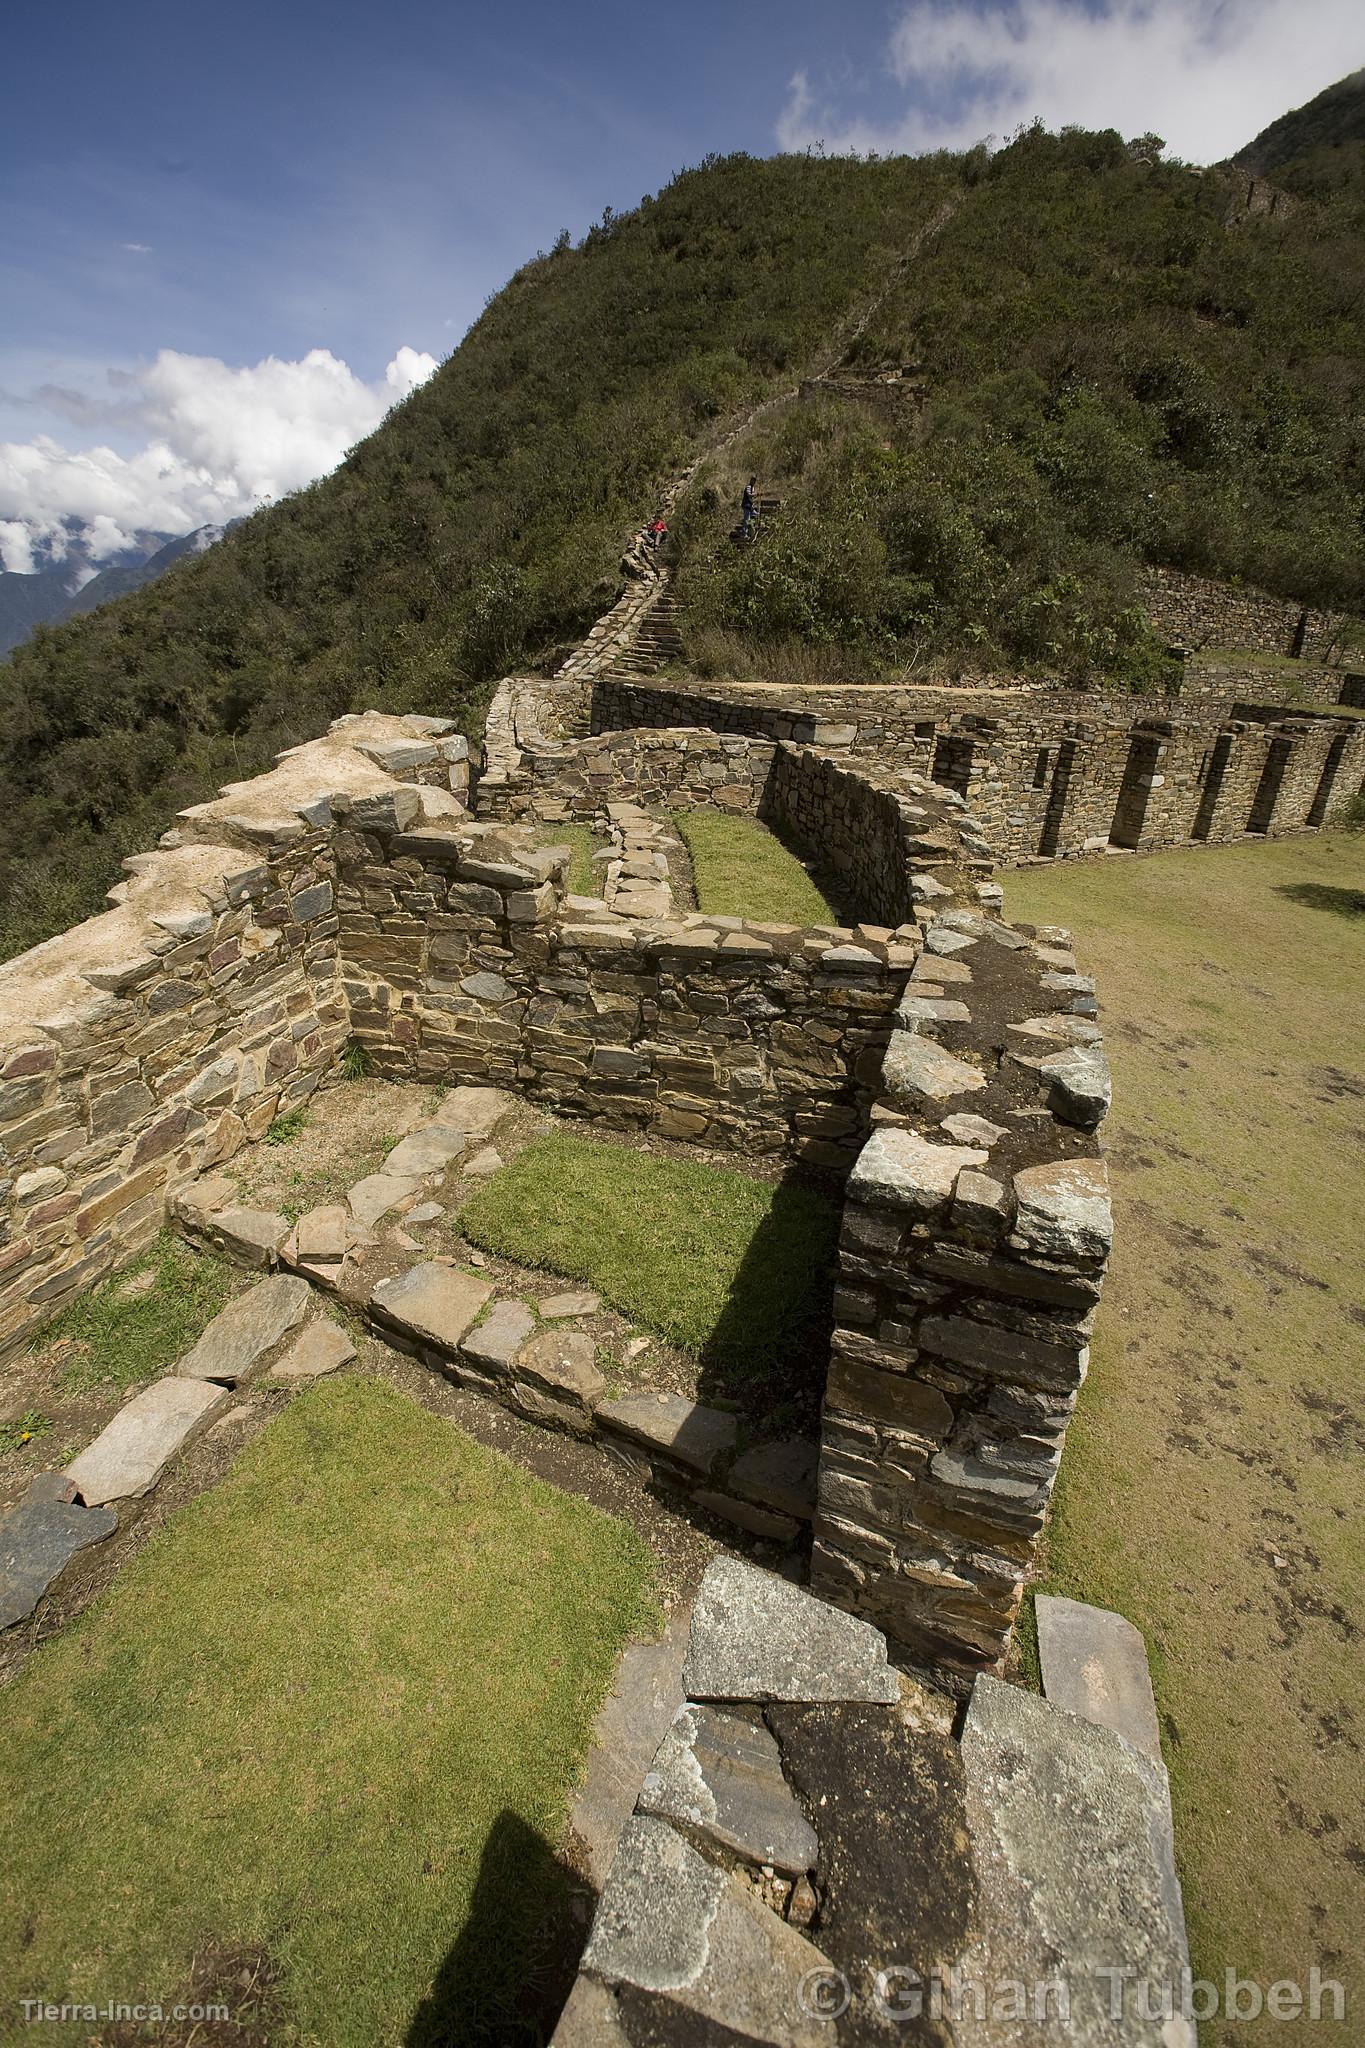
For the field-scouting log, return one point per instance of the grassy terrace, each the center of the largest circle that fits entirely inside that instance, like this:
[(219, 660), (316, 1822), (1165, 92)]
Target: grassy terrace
[(730, 1269), (1211, 1486), (742, 870), (321, 1729)]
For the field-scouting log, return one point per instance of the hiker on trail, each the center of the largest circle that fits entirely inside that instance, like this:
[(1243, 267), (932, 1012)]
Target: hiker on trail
[(656, 531), (747, 510)]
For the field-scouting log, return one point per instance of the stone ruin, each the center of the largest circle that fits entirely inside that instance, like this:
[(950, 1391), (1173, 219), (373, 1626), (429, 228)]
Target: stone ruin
[(385, 887)]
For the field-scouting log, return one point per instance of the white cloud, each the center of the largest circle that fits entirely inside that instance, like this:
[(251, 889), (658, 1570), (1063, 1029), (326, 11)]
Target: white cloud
[(137, 248), (1206, 74), (220, 442)]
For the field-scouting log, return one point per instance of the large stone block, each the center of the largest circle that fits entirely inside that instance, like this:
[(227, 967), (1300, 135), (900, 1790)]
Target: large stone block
[(132, 1452)]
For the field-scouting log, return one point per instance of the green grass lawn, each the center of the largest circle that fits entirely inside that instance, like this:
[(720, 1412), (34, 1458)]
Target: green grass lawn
[(730, 1269), (327, 1718), (119, 1334), (1211, 1485), (742, 870), (583, 878)]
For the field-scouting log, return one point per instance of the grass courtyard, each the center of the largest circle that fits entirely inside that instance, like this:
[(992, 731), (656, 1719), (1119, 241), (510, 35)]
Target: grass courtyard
[(320, 1733), (1211, 1486), (741, 869), (735, 1271)]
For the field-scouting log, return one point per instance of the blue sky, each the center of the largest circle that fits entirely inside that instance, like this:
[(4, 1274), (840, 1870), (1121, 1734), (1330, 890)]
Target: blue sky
[(188, 184)]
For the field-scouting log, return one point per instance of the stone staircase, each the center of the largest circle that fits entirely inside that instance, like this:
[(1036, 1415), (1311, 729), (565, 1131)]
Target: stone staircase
[(822, 1855), (657, 640)]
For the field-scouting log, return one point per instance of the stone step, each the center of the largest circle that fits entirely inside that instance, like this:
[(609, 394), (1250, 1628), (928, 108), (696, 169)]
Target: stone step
[(41, 1536), (241, 1336), (131, 1452), (1072, 1851)]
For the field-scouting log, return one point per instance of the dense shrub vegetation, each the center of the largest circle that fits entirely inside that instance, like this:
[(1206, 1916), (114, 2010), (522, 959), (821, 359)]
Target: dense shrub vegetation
[(1109, 372), (1318, 150)]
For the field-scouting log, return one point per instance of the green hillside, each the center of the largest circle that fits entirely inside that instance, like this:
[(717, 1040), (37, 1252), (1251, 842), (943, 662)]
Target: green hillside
[(1317, 150), (477, 528), (1107, 373), (1104, 373)]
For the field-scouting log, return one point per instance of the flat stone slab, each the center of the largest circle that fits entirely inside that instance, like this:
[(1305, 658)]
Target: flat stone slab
[(1064, 1210), (323, 1235), (433, 1303), (36, 1540), (721, 1777), (779, 1475), (690, 1434), (672, 1931), (133, 1450), (425, 1152), (555, 1378), (485, 1161), (556, 1306), (250, 1236), (1071, 1842), (918, 1070), (495, 1342), (1094, 1664), (320, 1347), (635, 1717), (474, 1111), (756, 1637), (904, 1171), (239, 1337), (378, 1194)]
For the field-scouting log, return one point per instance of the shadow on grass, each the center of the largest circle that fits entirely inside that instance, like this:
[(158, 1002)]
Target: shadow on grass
[(507, 1975), (1325, 896), (769, 1350)]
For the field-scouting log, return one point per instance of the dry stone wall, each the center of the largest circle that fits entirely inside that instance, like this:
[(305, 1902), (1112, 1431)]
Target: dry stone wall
[(463, 959), (1050, 775), (1194, 611), (155, 1040)]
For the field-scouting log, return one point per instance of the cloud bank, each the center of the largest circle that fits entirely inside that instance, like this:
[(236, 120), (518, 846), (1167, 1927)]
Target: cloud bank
[(221, 441), (1205, 74)]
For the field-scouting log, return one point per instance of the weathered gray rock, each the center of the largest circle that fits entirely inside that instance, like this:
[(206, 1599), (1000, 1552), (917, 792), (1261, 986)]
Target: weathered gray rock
[(322, 1236), (980, 1203), (36, 1541), (779, 1475), (250, 1237), (590, 2019), (1094, 1664), (755, 1637), (1080, 1088), (918, 1070), (689, 1433), (1071, 1845), (240, 1336), (431, 1303), (555, 1379), (1064, 1210), (485, 1161), (557, 1306), (671, 1929), (486, 987), (131, 1452), (636, 1715), (493, 1344), (972, 1130), (747, 1514), (719, 1776), (904, 1171), (379, 1193), (474, 1111), (424, 1152), (320, 1347)]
